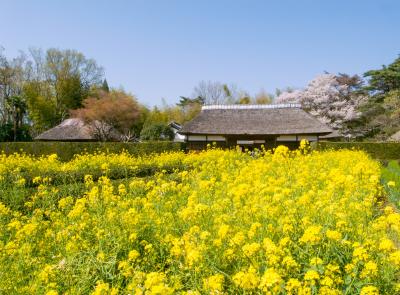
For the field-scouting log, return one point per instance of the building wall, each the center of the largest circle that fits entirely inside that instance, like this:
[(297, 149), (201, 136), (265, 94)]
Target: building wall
[(200, 142)]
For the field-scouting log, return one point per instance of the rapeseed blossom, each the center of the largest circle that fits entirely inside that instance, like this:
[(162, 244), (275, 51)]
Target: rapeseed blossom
[(213, 222)]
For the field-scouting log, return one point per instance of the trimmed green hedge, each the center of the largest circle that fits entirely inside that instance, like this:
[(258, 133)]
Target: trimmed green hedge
[(377, 150), (66, 150)]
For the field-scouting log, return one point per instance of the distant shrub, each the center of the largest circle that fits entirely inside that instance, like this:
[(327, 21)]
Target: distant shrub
[(377, 150), (66, 150)]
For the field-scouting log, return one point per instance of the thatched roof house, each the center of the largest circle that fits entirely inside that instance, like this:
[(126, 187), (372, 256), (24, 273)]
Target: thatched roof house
[(252, 125), (69, 130), (75, 129)]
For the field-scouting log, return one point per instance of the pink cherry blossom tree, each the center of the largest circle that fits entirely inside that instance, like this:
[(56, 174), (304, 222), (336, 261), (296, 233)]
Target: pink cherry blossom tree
[(329, 98)]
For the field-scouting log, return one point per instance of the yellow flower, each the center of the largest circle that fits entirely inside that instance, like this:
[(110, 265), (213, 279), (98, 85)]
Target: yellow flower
[(65, 202), (133, 255), (281, 151), (88, 179), (46, 274), (370, 270), (316, 261), (391, 183), (360, 253), (238, 238), (251, 249), (327, 281), (289, 263), (312, 276), (246, 280), (386, 245), (325, 290), (153, 279), (369, 290), (311, 235), (155, 284), (333, 235), (52, 157), (36, 180), (105, 167), (4, 210), (101, 256), (395, 258), (104, 289), (193, 256), (20, 182), (270, 281), (223, 231), (292, 286), (122, 189), (214, 283)]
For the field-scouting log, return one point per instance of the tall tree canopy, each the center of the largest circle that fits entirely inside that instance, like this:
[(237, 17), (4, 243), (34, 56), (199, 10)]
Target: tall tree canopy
[(384, 80), (58, 80), (13, 108), (380, 114)]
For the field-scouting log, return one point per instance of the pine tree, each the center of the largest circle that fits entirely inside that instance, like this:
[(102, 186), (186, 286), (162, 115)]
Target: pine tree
[(104, 86)]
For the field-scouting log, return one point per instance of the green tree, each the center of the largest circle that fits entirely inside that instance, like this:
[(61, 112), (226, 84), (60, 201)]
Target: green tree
[(140, 121), (59, 81), (104, 86), (17, 108), (379, 113), (387, 121), (41, 105), (157, 131), (13, 106), (384, 80)]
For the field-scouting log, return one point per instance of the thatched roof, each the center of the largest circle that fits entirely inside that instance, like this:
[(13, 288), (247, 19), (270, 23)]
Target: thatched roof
[(395, 137), (254, 120), (69, 130)]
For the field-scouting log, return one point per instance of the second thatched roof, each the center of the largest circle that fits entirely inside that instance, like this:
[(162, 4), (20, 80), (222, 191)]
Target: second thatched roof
[(69, 130), (254, 120)]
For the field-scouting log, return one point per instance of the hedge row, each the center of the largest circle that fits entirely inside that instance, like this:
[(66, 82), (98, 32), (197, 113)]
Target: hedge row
[(66, 150), (377, 150)]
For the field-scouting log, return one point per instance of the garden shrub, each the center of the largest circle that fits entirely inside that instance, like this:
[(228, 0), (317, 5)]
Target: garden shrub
[(378, 150)]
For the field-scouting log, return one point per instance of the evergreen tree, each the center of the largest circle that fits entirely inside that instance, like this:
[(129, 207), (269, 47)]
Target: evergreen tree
[(104, 86)]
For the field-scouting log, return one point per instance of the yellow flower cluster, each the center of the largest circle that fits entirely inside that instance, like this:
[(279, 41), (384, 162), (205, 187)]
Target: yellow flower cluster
[(21, 169), (214, 222)]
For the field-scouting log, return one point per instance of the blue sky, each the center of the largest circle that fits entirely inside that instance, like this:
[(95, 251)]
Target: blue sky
[(162, 49)]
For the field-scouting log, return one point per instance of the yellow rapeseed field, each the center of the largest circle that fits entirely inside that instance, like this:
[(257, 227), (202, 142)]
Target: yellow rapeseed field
[(215, 222)]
